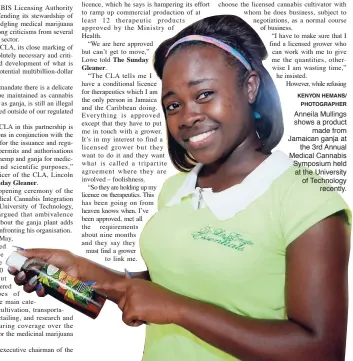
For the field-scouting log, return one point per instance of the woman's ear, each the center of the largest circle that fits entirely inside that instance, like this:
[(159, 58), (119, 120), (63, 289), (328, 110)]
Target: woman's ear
[(253, 84)]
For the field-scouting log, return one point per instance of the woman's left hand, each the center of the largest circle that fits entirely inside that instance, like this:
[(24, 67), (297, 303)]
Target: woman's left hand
[(145, 301)]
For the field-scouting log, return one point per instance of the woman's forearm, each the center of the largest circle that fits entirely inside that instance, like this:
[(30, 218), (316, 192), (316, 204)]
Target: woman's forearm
[(92, 271), (258, 340)]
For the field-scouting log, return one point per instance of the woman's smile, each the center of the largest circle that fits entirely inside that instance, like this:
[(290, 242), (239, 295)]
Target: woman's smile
[(201, 140)]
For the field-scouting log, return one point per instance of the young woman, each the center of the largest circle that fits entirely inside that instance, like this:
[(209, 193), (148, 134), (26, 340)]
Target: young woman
[(246, 260)]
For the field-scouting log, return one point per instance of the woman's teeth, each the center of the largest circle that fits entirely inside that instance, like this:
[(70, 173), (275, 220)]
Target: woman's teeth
[(198, 138)]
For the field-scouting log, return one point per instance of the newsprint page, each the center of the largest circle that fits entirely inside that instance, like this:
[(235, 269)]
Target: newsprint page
[(83, 140)]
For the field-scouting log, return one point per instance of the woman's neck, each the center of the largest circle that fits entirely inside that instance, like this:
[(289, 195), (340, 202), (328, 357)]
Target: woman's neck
[(232, 169)]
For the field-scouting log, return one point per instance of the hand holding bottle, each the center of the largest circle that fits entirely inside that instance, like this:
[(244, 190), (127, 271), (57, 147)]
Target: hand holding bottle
[(58, 283), (62, 259), (78, 267)]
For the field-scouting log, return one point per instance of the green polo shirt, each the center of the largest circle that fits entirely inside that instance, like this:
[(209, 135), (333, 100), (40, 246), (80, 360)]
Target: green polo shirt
[(229, 248)]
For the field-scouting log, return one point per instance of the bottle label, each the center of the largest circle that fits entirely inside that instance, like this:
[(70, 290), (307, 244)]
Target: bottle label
[(75, 291)]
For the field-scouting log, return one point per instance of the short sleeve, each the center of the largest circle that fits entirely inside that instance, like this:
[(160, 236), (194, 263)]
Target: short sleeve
[(306, 204), (169, 188)]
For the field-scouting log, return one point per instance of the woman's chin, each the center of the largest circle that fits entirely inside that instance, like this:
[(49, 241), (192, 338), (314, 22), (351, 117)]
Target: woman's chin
[(205, 157)]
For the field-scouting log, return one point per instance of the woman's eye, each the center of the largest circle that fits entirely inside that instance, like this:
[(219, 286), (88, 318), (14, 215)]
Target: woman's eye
[(171, 107), (205, 95)]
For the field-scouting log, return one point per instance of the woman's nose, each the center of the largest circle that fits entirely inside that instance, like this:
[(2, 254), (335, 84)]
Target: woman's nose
[(191, 117)]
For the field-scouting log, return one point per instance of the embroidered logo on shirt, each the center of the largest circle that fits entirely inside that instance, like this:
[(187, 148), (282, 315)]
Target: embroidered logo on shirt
[(220, 236)]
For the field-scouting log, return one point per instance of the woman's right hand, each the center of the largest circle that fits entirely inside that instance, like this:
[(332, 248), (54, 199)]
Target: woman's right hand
[(79, 267), (60, 258)]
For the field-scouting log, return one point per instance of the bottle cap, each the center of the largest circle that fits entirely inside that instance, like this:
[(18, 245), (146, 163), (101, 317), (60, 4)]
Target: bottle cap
[(16, 260)]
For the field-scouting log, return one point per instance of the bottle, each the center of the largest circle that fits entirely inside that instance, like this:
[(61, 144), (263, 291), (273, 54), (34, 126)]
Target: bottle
[(60, 285)]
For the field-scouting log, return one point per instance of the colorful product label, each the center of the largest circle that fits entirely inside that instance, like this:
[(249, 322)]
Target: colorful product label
[(73, 289)]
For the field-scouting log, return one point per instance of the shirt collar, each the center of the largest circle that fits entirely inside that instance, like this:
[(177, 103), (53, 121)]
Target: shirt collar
[(227, 203)]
